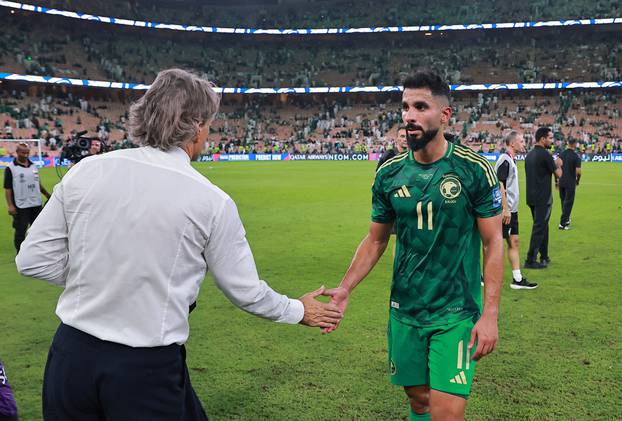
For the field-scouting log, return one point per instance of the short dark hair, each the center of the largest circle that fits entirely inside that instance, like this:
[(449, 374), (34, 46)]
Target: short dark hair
[(401, 128), (542, 132), (428, 79)]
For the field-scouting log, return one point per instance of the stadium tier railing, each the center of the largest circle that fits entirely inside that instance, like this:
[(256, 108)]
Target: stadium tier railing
[(308, 31), (318, 90)]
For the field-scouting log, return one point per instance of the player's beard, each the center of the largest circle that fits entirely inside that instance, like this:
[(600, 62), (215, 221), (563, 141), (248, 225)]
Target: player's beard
[(415, 143)]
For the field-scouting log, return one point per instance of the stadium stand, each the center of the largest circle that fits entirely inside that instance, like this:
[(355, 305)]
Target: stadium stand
[(74, 49), (325, 124), (310, 123), (338, 13)]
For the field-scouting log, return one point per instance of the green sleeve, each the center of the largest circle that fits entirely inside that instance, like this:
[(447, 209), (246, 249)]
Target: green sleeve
[(382, 211)]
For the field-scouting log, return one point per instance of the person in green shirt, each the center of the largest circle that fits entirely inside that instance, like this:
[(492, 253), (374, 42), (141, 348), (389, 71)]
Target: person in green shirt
[(445, 202)]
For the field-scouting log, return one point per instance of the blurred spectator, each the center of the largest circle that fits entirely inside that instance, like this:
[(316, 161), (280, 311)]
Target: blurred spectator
[(308, 124)]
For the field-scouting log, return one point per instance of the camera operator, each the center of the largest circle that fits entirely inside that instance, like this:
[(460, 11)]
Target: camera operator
[(80, 147), (96, 147)]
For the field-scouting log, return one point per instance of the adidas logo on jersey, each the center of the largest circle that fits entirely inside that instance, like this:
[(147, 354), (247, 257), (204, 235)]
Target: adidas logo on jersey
[(402, 192), (460, 378)]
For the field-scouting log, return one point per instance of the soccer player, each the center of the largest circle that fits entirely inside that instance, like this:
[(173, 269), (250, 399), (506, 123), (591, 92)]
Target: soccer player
[(445, 202), (507, 173), (571, 174)]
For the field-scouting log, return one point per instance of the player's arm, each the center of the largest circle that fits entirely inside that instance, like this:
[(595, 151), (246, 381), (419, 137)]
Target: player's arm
[(367, 255), (506, 215), (486, 330), (578, 168), (365, 258), (370, 249), (555, 167), (8, 191), (558, 169), (502, 174), (578, 175), (8, 194)]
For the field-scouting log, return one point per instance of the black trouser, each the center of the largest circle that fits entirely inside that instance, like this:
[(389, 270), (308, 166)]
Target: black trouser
[(567, 198), (539, 232), (21, 221), (87, 379)]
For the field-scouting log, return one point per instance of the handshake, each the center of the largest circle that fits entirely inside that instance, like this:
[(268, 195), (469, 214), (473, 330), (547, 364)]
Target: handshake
[(326, 316)]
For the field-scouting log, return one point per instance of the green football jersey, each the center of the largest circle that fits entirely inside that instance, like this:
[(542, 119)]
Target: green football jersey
[(437, 269)]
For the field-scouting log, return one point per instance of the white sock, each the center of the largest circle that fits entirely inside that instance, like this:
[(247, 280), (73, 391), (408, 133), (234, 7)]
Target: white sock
[(517, 275)]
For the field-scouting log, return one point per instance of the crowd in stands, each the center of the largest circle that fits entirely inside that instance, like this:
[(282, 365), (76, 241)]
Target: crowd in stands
[(57, 119), (592, 118), (52, 45), (77, 50), (339, 13), (338, 124)]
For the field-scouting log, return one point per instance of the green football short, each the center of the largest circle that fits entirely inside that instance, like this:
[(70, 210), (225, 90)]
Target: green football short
[(437, 356)]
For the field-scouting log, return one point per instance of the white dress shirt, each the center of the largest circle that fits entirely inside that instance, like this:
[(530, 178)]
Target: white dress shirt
[(129, 235)]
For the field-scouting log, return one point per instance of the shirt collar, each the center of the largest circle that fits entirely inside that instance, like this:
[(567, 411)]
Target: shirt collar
[(175, 154), (16, 162), (450, 149), (179, 153)]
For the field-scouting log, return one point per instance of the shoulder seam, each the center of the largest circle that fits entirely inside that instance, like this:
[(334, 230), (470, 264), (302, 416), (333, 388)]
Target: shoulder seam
[(482, 162), (469, 152), (393, 160), (471, 156)]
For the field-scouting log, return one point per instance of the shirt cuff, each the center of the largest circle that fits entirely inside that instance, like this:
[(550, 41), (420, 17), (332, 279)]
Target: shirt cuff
[(295, 312)]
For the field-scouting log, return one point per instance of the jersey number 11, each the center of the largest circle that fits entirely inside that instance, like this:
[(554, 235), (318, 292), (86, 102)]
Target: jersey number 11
[(429, 212)]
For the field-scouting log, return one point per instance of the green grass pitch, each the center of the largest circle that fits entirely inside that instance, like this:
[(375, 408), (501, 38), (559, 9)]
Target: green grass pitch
[(559, 352)]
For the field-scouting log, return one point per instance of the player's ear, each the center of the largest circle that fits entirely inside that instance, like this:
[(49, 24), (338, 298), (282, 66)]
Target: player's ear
[(446, 113), (198, 128)]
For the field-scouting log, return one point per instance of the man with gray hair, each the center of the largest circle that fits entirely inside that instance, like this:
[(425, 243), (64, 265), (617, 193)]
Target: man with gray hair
[(129, 235), (507, 173)]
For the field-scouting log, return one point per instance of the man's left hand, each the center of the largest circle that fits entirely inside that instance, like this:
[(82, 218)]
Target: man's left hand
[(486, 333), (507, 217)]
